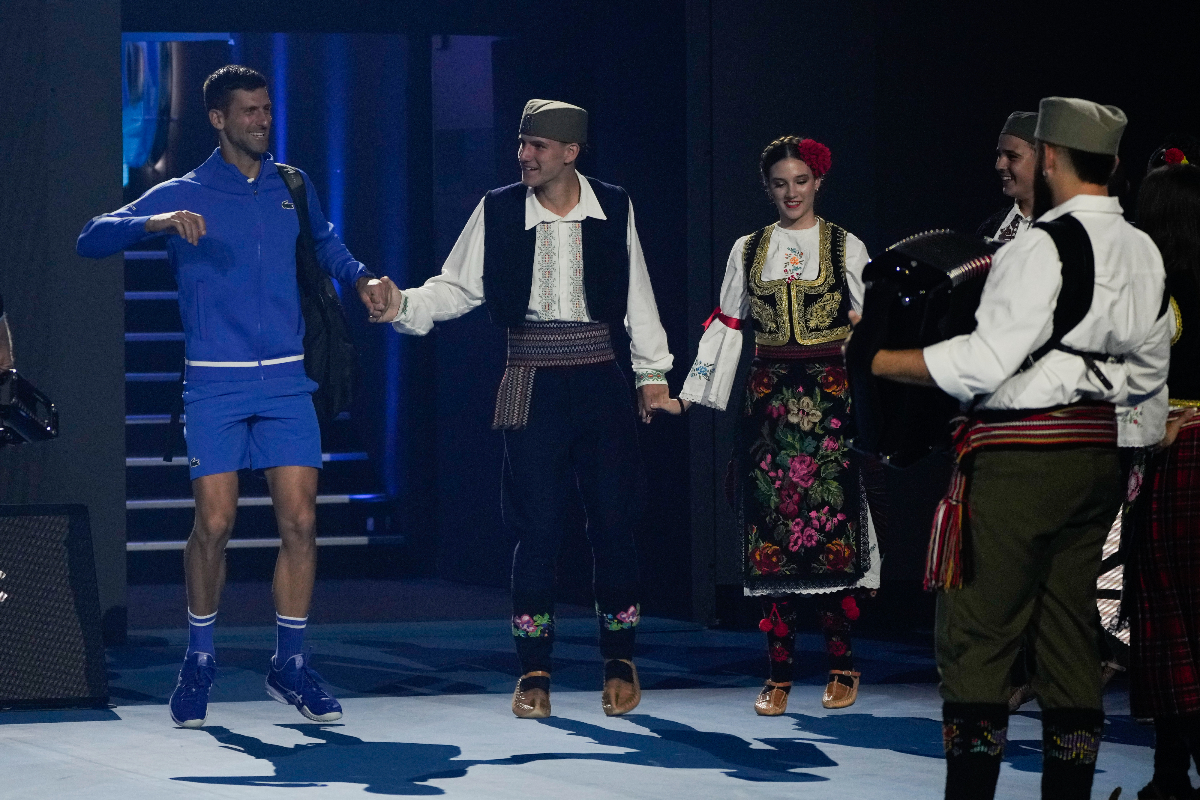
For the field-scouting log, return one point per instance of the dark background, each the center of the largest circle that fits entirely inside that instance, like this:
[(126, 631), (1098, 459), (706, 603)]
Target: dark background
[(683, 96)]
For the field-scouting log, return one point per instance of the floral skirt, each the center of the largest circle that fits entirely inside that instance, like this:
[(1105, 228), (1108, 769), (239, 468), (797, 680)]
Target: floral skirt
[(800, 500)]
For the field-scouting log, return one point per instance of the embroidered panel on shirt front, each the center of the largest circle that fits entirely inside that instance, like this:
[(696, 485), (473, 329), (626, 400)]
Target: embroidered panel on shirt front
[(578, 311), (794, 262), (546, 258)]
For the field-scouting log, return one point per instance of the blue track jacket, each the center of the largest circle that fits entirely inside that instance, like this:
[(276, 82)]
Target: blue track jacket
[(238, 296)]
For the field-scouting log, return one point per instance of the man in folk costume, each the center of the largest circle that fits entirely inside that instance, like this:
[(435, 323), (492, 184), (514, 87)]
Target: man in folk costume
[(1070, 336), (1015, 162), (557, 259)]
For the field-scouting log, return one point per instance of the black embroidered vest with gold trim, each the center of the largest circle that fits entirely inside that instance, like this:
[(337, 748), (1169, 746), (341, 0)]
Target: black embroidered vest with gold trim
[(799, 311), (1183, 377)]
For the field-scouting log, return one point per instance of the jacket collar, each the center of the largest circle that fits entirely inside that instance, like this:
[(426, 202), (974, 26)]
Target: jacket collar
[(220, 174)]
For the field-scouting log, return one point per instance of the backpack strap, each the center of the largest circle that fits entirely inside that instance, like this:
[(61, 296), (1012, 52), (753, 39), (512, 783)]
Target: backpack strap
[(307, 272), (1075, 297)]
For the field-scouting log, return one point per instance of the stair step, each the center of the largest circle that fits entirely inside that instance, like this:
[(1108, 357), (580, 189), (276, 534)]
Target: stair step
[(170, 336), (151, 461), (258, 521), (239, 544), (190, 502)]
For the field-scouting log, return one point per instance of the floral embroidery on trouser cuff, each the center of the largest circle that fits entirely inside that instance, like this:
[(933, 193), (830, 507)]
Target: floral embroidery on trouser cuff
[(980, 737), (621, 621), (532, 626), (642, 377), (703, 370), (1078, 744)]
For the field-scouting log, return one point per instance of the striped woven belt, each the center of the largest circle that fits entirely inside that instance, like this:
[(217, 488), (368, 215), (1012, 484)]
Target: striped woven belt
[(544, 344), (799, 352), (1079, 425)]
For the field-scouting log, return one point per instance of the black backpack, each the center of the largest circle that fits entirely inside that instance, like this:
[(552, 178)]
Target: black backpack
[(329, 355)]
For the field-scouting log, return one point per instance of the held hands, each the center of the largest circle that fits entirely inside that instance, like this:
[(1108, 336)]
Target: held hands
[(1174, 422), (391, 299), (374, 295), (655, 397), (187, 224)]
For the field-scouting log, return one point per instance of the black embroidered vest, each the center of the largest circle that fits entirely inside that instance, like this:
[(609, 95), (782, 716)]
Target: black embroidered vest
[(1183, 377), (508, 255), (799, 312)]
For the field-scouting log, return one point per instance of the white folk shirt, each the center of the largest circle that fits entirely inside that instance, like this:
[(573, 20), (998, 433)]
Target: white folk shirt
[(1013, 224), (791, 254), (557, 293), (1016, 313)]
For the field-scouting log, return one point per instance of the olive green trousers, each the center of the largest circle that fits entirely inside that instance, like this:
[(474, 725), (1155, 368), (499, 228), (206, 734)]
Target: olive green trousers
[(1038, 521)]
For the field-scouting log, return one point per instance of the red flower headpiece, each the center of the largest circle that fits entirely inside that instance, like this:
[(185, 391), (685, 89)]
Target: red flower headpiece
[(1173, 155), (816, 155)]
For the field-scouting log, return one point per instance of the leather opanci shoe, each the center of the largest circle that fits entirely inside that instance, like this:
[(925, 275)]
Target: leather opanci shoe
[(772, 700), (838, 694), (531, 698), (622, 692)]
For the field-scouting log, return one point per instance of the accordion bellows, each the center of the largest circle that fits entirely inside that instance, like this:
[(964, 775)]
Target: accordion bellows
[(920, 291)]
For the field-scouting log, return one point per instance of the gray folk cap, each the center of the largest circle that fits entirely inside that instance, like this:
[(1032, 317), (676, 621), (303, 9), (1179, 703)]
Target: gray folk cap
[(1022, 124), (1080, 124), (555, 120)]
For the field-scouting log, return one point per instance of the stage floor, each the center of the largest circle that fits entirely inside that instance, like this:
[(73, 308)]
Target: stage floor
[(427, 713)]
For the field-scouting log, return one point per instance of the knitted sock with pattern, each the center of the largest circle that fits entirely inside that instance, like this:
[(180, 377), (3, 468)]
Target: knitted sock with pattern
[(779, 623), (836, 613), (1070, 744), (974, 735)]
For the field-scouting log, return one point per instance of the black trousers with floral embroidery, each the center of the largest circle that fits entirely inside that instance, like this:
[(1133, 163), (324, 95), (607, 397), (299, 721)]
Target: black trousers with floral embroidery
[(581, 438)]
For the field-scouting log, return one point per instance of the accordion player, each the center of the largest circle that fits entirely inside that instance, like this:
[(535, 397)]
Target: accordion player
[(920, 291)]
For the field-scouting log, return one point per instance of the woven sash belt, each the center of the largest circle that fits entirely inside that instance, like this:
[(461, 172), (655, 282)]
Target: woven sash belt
[(544, 344), (799, 352), (1080, 425)]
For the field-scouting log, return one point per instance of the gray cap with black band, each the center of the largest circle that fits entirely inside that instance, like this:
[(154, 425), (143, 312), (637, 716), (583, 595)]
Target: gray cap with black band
[(551, 119), (1021, 124)]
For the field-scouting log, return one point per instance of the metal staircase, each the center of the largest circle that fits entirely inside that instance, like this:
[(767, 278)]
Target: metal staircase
[(352, 509)]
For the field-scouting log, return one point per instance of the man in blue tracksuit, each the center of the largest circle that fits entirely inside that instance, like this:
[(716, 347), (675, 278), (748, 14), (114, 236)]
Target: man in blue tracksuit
[(231, 229)]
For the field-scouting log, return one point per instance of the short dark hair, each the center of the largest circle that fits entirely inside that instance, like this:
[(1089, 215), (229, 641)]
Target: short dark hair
[(1092, 167), (1168, 209), (219, 87)]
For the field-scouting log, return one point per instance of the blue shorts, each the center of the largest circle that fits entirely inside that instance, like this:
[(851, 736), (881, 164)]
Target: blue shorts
[(256, 424)]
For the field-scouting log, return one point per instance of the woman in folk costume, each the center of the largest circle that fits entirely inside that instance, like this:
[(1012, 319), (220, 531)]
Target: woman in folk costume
[(1163, 579), (800, 498)]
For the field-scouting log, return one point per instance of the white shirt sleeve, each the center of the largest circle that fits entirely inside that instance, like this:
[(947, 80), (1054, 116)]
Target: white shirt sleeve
[(710, 380), (457, 290), (1142, 418), (856, 259), (650, 355), (1015, 316)]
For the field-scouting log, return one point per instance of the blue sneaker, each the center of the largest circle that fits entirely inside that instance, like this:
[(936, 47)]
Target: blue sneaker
[(295, 683), (189, 701)]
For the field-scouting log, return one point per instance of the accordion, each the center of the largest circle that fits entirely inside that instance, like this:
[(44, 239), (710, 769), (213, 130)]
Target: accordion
[(26, 415), (920, 291)]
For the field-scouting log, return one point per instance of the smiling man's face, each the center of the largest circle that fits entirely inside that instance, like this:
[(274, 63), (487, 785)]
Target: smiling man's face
[(1015, 162), (247, 122)]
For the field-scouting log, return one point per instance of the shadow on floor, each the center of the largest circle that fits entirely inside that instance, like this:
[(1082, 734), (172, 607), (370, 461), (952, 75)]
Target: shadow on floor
[(399, 768)]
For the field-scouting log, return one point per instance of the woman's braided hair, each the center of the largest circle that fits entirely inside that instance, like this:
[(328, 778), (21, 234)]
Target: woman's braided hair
[(810, 151)]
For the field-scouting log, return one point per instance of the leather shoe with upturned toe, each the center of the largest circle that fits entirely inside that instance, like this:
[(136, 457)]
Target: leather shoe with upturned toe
[(531, 700), (622, 692), (838, 694), (772, 700)]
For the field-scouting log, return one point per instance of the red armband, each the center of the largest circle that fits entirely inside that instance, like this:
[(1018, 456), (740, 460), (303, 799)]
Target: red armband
[(730, 322)]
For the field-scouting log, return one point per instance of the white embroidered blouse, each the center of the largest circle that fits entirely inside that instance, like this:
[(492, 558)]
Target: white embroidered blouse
[(791, 255)]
